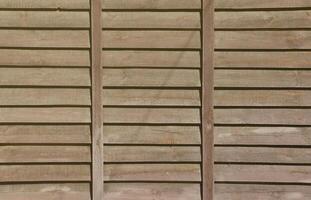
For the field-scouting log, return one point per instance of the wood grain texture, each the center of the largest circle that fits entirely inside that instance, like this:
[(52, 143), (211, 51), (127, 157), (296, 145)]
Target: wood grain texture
[(47, 4), (151, 4), (248, 4)]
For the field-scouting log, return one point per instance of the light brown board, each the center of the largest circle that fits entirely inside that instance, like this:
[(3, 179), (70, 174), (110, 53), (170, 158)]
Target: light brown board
[(150, 4), (48, 4), (248, 4)]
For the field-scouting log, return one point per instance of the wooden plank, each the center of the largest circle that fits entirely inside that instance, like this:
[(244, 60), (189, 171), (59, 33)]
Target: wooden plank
[(44, 77), (44, 154), (44, 19), (150, 4), (151, 39), (45, 38), (297, 98), (42, 58), (152, 172), (150, 97), (189, 59), (263, 116), (168, 135), (46, 4), (263, 78), (39, 173), (263, 19), (256, 4), (263, 135), (263, 173), (263, 40), (44, 97), (152, 191), (47, 134), (45, 115), (151, 77), (151, 154), (180, 20), (152, 115)]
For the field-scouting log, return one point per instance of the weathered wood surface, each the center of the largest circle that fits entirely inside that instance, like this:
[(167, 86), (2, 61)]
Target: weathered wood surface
[(253, 4), (151, 4), (45, 4)]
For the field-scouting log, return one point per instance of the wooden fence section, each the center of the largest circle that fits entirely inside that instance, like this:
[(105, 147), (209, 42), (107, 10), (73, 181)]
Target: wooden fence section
[(262, 99)]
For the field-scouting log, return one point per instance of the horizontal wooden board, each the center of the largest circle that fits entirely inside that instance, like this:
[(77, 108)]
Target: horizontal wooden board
[(253, 59), (44, 19), (39, 173), (263, 116), (47, 4), (252, 4), (262, 173), (151, 154), (36, 134), (151, 115), (263, 19), (45, 115), (260, 192), (150, 97), (151, 4), (262, 98), (152, 191), (169, 135), (152, 172), (151, 39), (180, 20), (263, 155), (47, 96), (44, 154), (45, 38), (263, 40), (44, 77), (263, 78), (151, 77)]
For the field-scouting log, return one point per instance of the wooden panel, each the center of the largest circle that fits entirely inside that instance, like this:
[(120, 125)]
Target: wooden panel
[(181, 20), (152, 191), (262, 78), (55, 4), (46, 154), (151, 154), (37, 134), (263, 40), (263, 19), (189, 59), (152, 134), (151, 4), (35, 173), (263, 116), (152, 172), (151, 77), (247, 4), (263, 173), (38, 19), (44, 77), (151, 115), (44, 38), (154, 97), (151, 39), (49, 115)]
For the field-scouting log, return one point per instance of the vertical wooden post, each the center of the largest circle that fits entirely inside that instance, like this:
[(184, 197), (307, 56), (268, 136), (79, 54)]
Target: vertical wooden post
[(97, 122), (207, 99)]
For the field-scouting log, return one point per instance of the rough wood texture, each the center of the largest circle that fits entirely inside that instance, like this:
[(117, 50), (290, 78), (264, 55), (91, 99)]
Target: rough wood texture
[(248, 4), (47, 4), (151, 4)]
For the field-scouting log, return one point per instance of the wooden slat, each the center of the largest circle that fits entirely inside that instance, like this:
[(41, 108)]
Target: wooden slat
[(151, 115), (181, 20), (44, 38), (44, 154), (263, 173), (151, 59), (45, 115), (150, 4), (169, 135), (44, 77), (36, 134), (263, 40), (47, 4), (44, 19), (147, 97), (262, 78), (39, 173), (152, 172), (151, 77), (151, 39), (263, 135), (151, 154), (263, 19), (252, 4), (152, 191), (263, 116)]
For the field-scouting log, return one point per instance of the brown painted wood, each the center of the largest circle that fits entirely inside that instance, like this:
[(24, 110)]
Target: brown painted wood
[(263, 4), (45, 4), (150, 4)]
